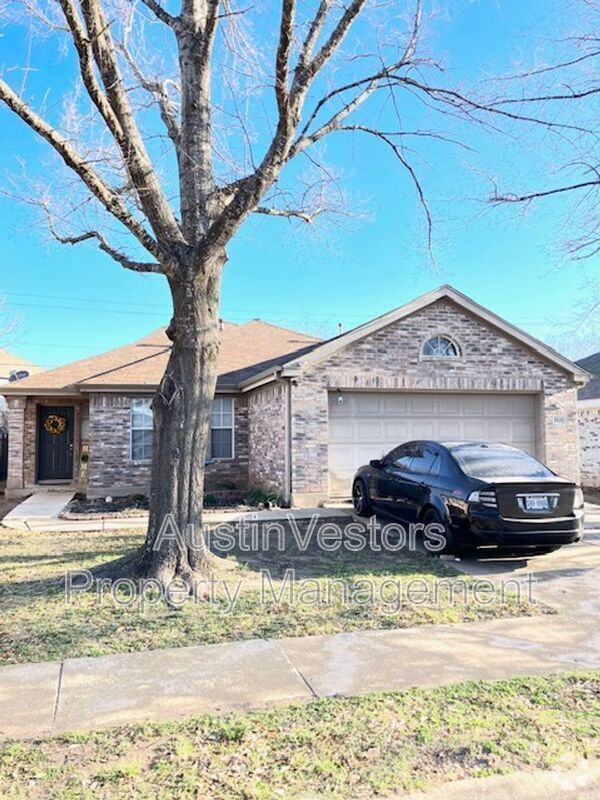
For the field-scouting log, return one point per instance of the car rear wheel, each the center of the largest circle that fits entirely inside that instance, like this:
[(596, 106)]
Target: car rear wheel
[(361, 499), (431, 517)]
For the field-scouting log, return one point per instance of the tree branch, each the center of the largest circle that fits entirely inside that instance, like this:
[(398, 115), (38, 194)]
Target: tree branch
[(116, 255), (385, 137), (286, 32), (131, 144), (107, 197), (160, 13), (524, 198), (86, 68), (285, 212)]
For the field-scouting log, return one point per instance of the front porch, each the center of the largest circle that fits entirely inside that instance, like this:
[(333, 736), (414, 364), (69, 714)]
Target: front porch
[(48, 444)]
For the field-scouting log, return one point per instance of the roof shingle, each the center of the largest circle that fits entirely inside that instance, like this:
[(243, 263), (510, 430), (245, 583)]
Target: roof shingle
[(591, 390), (244, 350)]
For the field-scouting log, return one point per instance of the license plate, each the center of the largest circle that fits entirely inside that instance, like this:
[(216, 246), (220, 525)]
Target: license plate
[(537, 503)]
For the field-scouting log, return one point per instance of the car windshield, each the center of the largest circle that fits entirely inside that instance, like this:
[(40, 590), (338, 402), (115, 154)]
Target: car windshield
[(488, 462)]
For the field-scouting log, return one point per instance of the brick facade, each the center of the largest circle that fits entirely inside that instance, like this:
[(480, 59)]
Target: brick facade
[(267, 436), (112, 470), (589, 437), (391, 359)]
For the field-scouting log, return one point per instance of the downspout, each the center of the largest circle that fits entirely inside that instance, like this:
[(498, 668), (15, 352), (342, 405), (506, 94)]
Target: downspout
[(287, 401)]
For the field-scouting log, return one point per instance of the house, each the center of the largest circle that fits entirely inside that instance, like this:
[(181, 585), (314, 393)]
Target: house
[(12, 368), (298, 414), (588, 406)]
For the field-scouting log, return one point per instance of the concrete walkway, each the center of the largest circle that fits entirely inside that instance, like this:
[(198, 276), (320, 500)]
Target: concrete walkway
[(43, 515), (38, 510), (160, 685)]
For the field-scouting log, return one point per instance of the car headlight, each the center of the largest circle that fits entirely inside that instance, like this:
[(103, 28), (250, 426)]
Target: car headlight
[(578, 498)]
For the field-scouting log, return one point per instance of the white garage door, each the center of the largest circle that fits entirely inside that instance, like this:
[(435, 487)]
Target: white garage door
[(369, 424)]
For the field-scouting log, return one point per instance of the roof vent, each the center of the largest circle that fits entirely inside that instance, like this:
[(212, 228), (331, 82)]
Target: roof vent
[(18, 375)]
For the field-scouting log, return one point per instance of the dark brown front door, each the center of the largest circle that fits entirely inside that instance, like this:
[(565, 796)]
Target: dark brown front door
[(55, 443)]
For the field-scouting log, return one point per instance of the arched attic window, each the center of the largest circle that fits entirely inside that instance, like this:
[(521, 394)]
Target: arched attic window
[(440, 346)]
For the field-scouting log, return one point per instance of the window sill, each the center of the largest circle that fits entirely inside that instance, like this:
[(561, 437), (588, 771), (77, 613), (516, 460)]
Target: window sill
[(441, 358)]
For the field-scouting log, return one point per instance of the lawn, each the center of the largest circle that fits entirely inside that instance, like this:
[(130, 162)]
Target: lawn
[(358, 747), (38, 625)]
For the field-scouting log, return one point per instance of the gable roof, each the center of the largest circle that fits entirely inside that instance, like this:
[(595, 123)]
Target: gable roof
[(243, 349), (592, 390), (447, 292)]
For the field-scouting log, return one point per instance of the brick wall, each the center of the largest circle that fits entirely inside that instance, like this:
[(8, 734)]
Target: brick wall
[(267, 436), (111, 469), (589, 437), (391, 359)]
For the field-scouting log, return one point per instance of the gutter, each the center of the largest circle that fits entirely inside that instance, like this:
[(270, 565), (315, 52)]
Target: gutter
[(287, 395)]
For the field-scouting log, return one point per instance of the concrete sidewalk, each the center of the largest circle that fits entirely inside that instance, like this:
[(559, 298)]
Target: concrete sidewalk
[(93, 693), (38, 510)]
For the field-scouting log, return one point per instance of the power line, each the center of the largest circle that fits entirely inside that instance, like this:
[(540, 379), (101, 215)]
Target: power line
[(82, 299)]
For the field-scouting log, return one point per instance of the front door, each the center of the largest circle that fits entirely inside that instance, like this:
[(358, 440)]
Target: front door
[(55, 443)]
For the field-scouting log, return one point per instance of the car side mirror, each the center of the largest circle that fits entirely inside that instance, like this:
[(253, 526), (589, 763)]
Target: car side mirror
[(376, 463)]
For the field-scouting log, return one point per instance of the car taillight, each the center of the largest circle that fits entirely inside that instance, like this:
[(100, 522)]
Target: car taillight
[(578, 498), (485, 497)]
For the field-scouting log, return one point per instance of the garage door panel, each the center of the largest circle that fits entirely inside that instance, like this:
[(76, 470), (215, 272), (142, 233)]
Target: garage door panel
[(368, 403), (423, 404), (473, 429), (369, 430), (396, 403), (369, 424), (341, 430), (449, 429), (472, 404), (396, 431), (500, 429), (423, 429), (448, 405)]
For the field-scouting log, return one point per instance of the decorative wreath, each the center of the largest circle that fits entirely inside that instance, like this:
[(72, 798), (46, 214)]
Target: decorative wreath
[(55, 424)]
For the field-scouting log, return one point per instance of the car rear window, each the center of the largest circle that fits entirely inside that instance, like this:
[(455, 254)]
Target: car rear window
[(479, 462)]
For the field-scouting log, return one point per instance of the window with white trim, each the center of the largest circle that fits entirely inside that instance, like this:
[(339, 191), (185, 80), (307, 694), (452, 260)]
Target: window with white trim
[(221, 428), (141, 429), (440, 347), (220, 444)]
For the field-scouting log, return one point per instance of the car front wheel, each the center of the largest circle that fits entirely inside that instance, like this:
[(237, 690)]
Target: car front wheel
[(360, 499)]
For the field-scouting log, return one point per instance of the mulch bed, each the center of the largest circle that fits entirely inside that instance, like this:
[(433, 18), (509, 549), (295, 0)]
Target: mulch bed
[(134, 505)]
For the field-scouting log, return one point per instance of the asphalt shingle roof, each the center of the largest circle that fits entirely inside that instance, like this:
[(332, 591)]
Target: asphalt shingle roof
[(245, 350), (592, 389)]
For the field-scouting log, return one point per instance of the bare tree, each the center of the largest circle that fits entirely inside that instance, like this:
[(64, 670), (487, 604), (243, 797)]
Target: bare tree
[(180, 126), (565, 86)]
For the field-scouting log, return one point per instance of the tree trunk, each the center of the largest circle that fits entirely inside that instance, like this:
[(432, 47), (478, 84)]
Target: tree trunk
[(181, 410)]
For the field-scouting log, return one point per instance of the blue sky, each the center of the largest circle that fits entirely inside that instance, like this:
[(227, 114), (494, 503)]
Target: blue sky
[(74, 301)]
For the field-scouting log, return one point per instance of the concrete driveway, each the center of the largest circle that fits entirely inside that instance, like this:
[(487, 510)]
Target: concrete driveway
[(568, 579)]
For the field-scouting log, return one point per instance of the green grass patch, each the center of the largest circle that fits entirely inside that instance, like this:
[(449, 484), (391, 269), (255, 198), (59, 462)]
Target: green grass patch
[(329, 596), (367, 746)]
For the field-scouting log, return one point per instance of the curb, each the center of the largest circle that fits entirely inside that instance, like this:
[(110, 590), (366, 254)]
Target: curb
[(571, 784)]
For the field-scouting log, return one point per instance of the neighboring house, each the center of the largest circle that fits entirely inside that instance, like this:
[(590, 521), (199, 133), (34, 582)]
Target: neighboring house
[(12, 368), (298, 414), (588, 406)]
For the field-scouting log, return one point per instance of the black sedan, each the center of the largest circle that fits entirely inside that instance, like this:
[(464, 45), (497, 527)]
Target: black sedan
[(484, 494)]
